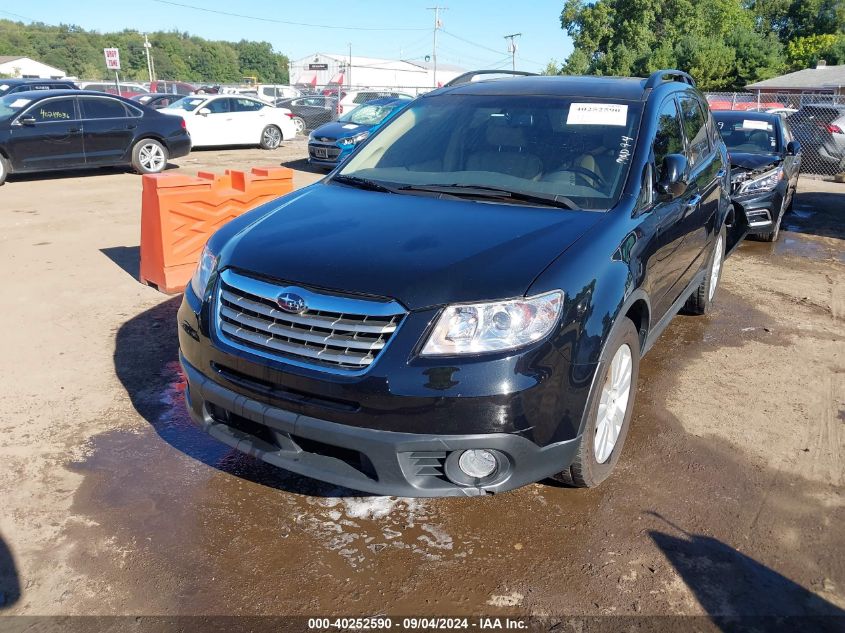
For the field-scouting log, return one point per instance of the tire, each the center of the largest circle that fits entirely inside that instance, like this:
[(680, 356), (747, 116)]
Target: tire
[(271, 137), (775, 232), (299, 123), (149, 156), (701, 301), (4, 169), (598, 452)]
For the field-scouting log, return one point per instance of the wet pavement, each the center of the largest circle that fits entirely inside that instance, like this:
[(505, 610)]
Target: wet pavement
[(728, 499), (216, 531)]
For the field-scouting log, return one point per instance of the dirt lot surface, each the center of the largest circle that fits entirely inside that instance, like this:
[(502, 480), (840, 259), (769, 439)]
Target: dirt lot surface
[(729, 497)]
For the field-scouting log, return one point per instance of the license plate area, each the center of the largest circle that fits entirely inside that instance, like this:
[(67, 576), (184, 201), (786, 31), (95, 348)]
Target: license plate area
[(321, 152)]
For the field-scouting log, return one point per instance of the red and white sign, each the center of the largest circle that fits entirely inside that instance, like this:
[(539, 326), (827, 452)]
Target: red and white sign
[(112, 58)]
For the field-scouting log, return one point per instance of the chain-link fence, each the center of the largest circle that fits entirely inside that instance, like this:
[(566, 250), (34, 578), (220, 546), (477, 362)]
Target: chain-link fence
[(816, 120)]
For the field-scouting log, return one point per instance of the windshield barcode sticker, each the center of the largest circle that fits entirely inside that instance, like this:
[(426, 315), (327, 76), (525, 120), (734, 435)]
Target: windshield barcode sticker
[(750, 124), (597, 114)]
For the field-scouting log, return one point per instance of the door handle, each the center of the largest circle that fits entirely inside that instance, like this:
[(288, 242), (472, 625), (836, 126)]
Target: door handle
[(73, 130), (131, 126), (691, 204)]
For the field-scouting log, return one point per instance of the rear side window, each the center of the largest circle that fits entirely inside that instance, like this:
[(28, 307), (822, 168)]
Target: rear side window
[(102, 109), (696, 130), (219, 106), (669, 139), (53, 110), (246, 105)]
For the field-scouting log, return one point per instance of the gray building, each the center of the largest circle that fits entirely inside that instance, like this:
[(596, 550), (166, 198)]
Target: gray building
[(822, 78)]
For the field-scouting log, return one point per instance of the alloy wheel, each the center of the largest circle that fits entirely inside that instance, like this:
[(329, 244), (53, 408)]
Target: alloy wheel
[(151, 157), (613, 405), (272, 137)]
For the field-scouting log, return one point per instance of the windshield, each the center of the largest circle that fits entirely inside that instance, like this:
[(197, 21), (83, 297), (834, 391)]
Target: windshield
[(749, 135), (11, 104), (571, 147), (189, 104), (367, 114)]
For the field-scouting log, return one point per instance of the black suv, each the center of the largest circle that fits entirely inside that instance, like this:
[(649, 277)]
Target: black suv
[(461, 307), (9, 86)]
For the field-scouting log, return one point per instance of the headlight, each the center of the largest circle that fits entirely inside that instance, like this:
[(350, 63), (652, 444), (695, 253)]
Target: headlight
[(352, 140), (206, 266), (490, 327), (764, 182)]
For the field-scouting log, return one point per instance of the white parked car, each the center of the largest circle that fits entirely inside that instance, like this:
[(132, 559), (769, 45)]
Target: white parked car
[(233, 120), (273, 92), (352, 99)]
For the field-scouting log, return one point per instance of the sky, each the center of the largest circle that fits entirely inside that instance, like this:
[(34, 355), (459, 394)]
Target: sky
[(472, 32)]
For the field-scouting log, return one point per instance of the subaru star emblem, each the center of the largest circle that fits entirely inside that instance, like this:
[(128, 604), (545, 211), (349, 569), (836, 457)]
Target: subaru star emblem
[(291, 302)]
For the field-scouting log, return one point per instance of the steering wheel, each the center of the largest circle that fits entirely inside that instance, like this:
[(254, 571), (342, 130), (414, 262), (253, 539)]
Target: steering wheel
[(585, 172)]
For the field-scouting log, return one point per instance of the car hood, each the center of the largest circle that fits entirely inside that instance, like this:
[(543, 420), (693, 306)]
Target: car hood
[(339, 129), (420, 250), (754, 162)]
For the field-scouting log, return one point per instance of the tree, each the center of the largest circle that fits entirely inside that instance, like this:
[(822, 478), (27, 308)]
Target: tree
[(178, 56), (805, 52), (552, 68), (718, 41)]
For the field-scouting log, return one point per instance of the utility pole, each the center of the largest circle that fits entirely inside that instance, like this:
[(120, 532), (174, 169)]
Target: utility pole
[(147, 47), (349, 68), (512, 48), (437, 24)]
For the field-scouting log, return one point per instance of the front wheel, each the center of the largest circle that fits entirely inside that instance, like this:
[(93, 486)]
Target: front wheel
[(271, 137), (149, 156), (609, 409), (701, 300), (299, 124), (775, 232)]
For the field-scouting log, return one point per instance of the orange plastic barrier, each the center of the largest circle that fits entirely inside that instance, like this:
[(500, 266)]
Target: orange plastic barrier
[(179, 213)]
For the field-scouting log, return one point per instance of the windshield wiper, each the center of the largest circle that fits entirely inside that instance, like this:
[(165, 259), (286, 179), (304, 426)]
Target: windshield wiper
[(483, 191), (363, 183)]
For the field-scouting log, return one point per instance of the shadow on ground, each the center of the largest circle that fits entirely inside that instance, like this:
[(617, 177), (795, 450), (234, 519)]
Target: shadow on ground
[(817, 213), (302, 164), (146, 363), (128, 258), (10, 586), (736, 590)]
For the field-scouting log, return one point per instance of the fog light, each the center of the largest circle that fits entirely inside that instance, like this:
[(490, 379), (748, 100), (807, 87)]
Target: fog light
[(477, 463)]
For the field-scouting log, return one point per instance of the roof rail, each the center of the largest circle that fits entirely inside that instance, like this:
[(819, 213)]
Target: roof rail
[(468, 77), (668, 75)]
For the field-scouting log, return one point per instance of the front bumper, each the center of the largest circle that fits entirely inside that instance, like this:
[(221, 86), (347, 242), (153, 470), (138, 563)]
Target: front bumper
[(390, 429), (334, 155), (761, 209), (369, 460)]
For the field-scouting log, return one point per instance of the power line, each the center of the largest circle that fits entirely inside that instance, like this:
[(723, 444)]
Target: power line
[(466, 41), (18, 15), (306, 24)]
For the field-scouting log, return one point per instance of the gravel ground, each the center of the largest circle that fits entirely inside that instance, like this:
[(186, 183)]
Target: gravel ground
[(729, 498)]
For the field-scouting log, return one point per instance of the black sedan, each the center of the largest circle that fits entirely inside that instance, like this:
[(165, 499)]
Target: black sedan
[(69, 129), (765, 161), (157, 100), (310, 112)]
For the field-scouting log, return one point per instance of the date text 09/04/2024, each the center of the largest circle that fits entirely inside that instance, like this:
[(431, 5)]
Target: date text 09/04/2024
[(411, 623)]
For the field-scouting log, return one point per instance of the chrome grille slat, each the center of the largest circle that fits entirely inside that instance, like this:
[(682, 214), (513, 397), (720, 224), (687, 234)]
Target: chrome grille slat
[(334, 331), (296, 333), (327, 323), (300, 350)]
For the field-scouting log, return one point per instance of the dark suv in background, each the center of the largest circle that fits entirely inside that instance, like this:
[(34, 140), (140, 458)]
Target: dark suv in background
[(9, 86), (461, 308)]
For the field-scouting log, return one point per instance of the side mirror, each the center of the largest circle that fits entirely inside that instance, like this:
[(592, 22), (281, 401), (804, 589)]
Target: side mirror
[(793, 148), (671, 175), (27, 120), (204, 112)]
